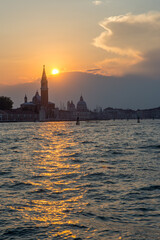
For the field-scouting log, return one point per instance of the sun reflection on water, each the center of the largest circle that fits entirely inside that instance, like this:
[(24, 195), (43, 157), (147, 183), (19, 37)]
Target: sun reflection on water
[(55, 196)]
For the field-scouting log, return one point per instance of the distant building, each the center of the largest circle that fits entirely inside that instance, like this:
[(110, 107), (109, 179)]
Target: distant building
[(17, 115), (71, 106), (116, 113), (82, 111), (81, 105), (73, 112)]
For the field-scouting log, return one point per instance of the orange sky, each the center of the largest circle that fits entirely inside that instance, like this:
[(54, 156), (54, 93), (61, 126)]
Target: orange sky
[(74, 35)]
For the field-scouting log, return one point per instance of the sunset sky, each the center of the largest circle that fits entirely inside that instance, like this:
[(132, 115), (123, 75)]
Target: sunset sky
[(111, 37), (108, 37)]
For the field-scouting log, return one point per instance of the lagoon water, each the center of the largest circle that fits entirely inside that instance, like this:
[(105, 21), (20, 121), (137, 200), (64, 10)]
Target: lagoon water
[(99, 180)]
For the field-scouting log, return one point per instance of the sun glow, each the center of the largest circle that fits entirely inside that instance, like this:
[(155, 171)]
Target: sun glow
[(55, 71)]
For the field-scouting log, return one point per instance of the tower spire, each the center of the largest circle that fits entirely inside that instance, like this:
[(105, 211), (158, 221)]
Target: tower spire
[(44, 77), (44, 88)]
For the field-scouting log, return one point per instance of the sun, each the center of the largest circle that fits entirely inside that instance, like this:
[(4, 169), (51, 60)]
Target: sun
[(55, 71)]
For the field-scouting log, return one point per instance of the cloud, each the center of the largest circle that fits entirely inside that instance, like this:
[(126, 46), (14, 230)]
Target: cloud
[(97, 2), (94, 70), (150, 65), (127, 40)]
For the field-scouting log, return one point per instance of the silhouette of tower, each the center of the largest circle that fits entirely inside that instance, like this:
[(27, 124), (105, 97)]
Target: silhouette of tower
[(44, 89), (25, 99)]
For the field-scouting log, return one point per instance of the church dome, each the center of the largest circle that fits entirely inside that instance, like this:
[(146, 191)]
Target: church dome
[(81, 105), (36, 99)]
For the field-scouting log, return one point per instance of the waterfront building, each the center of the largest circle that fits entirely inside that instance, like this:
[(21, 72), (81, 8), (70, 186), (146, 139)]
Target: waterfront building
[(116, 113)]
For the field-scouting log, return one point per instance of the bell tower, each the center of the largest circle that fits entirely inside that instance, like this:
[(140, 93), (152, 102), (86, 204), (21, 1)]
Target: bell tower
[(44, 88)]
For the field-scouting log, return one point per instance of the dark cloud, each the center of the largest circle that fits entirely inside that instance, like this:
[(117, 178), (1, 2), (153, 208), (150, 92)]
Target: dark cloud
[(94, 70), (150, 66)]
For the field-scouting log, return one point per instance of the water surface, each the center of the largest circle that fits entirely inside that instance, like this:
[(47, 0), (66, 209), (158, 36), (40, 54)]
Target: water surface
[(99, 180)]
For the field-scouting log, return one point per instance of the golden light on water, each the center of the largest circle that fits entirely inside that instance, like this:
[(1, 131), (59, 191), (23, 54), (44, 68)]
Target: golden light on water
[(55, 71), (54, 194)]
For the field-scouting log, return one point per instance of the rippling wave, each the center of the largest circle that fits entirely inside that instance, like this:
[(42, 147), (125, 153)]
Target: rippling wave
[(99, 180)]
